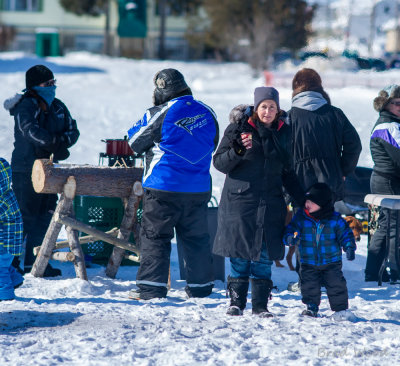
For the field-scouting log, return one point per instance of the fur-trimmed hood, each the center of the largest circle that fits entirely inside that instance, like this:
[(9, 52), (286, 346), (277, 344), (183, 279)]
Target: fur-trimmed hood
[(385, 95), (238, 113), (10, 103)]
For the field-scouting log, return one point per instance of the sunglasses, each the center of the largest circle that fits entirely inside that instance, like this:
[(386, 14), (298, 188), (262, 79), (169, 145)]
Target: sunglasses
[(51, 82), (397, 104)]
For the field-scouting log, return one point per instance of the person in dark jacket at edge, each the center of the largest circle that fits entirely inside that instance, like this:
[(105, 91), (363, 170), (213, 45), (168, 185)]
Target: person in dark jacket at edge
[(385, 179), (178, 136), (325, 145), (254, 153), (43, 127)]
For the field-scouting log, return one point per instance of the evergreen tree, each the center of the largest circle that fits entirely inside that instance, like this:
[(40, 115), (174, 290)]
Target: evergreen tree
[(251, 30)]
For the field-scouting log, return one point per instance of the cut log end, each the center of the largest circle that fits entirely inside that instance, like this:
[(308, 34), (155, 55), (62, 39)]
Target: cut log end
[(38, 176)]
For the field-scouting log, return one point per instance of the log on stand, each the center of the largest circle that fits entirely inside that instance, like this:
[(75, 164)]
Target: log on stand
[(91, 180), (131, 206)]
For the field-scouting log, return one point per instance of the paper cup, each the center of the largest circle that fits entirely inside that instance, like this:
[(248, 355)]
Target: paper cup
[(248, 135)]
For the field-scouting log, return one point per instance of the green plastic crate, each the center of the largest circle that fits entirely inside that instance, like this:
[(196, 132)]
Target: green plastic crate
[(102, 213)]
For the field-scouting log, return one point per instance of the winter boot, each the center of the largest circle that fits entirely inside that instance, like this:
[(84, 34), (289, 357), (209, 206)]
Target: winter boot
[(16, 264), (51, 271), (237, 289), (16, 277), (260, 293), (312, 310), (6, 285), (394, 276)]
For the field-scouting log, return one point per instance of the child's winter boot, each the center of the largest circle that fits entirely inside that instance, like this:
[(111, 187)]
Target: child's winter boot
[(312, 310), (16, 278), (237, 288), (260, 293), (6, 286)]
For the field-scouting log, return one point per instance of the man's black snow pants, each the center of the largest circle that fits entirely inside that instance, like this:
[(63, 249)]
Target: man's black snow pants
[(331, 276), (187, 214)]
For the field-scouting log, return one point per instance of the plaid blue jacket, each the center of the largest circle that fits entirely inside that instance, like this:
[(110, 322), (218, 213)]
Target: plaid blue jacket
[(11, 228), (320, 242)]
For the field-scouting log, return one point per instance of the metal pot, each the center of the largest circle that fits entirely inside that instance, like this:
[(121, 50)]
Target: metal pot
[(118, 147)]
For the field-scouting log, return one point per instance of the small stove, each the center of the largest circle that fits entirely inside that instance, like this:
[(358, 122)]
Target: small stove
[(119, 153)]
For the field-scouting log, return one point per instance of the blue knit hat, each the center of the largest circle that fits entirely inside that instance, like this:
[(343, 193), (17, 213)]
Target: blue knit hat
[(265, 93)]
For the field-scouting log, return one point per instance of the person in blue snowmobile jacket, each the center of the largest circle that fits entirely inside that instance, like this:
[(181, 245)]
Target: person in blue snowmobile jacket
[(321, 234), (11, 234), (178, 136)]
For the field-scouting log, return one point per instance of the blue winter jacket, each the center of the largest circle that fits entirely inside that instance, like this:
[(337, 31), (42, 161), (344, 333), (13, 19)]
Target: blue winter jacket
[(178, 138), (11, 229), (320, 242)]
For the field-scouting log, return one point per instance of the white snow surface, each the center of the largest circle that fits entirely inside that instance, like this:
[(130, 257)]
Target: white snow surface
[(68, 321)]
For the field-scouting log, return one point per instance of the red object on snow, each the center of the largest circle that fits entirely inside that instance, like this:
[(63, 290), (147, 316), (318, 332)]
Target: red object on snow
[(118, 147)]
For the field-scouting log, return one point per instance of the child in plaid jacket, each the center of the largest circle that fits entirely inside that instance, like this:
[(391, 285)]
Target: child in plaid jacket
[(11, 234), (321, 234)]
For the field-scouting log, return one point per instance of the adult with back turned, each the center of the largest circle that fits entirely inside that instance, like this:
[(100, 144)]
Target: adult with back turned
[(326, 146), (178, 135)]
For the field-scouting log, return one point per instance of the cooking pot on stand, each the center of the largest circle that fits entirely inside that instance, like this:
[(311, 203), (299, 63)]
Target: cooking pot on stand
[(119, 147)]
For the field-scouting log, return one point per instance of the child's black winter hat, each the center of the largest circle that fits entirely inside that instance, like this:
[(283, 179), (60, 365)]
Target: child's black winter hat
[(320, 193), (36, 75)]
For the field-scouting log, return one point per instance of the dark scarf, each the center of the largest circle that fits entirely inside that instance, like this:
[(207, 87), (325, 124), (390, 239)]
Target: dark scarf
[(324, 212)]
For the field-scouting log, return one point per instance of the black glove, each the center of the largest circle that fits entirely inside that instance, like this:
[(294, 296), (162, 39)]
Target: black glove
[(62, 152), (238, 146), (350, 254), (60, 147), (41, 153)]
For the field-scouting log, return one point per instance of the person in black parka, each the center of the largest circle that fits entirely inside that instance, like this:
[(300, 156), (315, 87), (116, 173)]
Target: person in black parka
[(385, 179), (252, 210), (326, 146), (43, 126)]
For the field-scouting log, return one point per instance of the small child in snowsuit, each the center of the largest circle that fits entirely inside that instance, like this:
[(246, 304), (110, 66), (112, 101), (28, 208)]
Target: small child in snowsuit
[(320, 234), (11, 234)]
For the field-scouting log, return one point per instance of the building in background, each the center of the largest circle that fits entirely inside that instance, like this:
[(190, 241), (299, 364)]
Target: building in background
[(45, 28)]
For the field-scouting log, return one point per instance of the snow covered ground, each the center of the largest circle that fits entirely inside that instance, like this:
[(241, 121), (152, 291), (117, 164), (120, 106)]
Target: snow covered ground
[(73, 322)]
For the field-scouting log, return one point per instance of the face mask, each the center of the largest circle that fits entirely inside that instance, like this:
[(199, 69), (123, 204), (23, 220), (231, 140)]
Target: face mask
[(48, 93)]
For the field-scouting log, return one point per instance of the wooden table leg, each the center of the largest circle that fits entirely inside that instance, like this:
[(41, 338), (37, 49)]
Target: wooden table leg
[(128, 221)]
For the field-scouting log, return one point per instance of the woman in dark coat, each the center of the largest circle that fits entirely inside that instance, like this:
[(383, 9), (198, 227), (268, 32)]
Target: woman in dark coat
[(252, 210), (385, 179), (43, 127)]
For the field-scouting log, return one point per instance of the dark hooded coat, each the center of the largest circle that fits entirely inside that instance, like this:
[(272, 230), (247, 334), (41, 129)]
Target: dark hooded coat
[(326, 146), (40, 130), (252, 207)]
